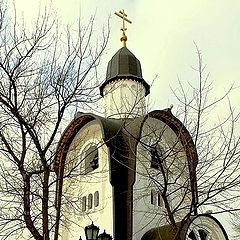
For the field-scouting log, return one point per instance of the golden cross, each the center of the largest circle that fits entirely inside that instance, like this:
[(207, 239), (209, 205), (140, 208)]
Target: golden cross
[(123, 15)]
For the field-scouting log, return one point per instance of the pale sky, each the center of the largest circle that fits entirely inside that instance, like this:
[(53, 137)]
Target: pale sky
[(161, 36)]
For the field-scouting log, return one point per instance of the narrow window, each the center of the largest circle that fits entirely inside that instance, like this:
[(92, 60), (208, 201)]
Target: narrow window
[(84, 203), (96, 199), (156, 156), (91, 159), (153, 197), (159, 200), (90, 201)]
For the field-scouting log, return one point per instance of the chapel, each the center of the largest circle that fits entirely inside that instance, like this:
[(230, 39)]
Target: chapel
[(133, 171)]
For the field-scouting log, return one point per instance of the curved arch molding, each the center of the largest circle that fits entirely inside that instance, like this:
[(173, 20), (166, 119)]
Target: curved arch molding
[(125, 134)]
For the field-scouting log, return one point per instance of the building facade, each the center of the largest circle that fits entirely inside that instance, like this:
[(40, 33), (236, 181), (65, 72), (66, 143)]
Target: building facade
[(131, 171)]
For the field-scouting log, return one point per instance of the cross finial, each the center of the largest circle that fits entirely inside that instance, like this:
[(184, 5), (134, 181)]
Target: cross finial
[(123, 15)]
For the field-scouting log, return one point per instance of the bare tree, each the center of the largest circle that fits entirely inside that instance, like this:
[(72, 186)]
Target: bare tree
[(192, 169), (216, 139), (189, 166), (217, 143), (45, 71)]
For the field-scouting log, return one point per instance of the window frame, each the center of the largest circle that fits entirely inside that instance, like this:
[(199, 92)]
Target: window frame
[(84, 204), (156, 158), (90, 201), (96, 199), (91, 158)]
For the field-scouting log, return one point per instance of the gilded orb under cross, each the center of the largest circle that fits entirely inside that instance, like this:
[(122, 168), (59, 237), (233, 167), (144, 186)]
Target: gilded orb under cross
[(123, 15)]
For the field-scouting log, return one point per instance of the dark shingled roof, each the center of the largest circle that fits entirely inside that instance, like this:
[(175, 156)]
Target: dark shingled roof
[(165, 232), (124, 64)]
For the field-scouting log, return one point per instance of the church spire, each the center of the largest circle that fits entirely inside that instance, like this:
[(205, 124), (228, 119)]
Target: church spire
[(124, 88), (123, 15)]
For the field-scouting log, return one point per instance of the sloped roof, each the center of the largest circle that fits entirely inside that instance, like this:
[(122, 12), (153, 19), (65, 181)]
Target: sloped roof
[(165, 232), (124, 64)]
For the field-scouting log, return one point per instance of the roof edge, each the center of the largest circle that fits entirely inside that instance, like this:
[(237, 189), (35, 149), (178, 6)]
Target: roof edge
[(130, 77)]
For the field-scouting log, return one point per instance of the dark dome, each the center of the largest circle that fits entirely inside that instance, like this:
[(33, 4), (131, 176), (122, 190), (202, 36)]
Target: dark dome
[(124, 65)]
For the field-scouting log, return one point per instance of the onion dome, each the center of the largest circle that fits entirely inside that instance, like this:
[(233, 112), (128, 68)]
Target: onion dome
[(124, 65)]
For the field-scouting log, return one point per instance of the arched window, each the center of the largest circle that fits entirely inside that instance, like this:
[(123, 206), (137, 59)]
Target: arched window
[(84, 204), (156, 152), (96, 199), (90, 201), (91, 159), (156, 198)]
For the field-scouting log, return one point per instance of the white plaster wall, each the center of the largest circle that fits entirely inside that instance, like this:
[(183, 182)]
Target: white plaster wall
[(124, 98), (146, 215), (82, 185)]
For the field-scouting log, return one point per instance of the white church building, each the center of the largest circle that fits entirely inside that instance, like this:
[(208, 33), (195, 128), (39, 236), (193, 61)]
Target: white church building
[(132, 172)]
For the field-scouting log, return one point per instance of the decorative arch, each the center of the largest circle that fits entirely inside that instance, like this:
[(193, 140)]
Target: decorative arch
[(65, 141), (133, 130), (203, 227), (124, 133), (185, 138)]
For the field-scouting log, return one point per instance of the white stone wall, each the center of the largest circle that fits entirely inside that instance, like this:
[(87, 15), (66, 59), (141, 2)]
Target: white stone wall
[(81, 185), (124, 98), (147, 215)]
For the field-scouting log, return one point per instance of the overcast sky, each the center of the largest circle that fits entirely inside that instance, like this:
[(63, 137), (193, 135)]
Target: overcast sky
[(161, 36)]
